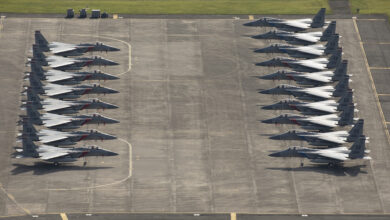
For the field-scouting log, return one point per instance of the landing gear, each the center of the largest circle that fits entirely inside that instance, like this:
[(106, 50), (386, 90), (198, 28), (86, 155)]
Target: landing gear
[(301, 162), (85, 163), (332, 165)]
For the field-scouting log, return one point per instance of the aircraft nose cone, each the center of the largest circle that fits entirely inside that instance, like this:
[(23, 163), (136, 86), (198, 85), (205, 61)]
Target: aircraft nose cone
[(276, 154), (249, 24), (262, 50), (266, 91), (267, 121), (111, 77), (110, 153), (276, 137), (269, 76), (265, 63), (267, 107), (111, 91), (111, 106), (112, 63), (112, 121), (109, 137)]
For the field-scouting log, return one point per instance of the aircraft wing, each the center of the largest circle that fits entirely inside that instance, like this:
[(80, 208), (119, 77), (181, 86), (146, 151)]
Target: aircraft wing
[(51, 120), (52, 89), (56, 61), (337, 137), (47, 136), (318, 92), (297, 24), (58, 77), (314, 51), (333, 155), (54, 104), (52, 154), (307, 37), (58, 47), (322, 106), (324, 120), (319, 77)]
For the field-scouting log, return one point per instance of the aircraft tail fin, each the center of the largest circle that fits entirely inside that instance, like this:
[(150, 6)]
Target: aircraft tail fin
[(36, 68), (33, 98), (345, 100), (319, 19), (335, 59), (35, 83), (29, 148), (33, 115), (329, 31), (29, 129), (342, 86), (333, 44), (341, 70), (39, 56), (41, 42), (356, 131), (346, 117), (358, 148)]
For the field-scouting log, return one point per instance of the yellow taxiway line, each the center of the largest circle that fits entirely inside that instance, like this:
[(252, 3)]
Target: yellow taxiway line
[(233, 216), (63, 216)]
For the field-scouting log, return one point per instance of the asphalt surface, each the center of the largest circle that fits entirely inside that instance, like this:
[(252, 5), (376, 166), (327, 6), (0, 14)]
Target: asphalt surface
[(190, 136)]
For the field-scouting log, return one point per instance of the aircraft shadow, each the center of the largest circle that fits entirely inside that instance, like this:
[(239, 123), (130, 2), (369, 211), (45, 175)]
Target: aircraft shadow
[(41, 168), (336, 171)]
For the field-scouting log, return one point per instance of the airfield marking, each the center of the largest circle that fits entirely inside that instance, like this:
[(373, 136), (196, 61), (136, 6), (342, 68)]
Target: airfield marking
[(128, 45), (379, 68), (378, 104), (233, 216), (384, 94), (371, 19), (63, 216), (251, 17), (12, 198), (108, 184)]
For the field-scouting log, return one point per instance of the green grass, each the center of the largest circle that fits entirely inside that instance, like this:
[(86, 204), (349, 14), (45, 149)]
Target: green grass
[(167, 6), (371, 6)]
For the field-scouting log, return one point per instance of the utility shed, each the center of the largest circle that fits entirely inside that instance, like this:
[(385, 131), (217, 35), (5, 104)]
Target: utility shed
[(95, 13), (70, 13)]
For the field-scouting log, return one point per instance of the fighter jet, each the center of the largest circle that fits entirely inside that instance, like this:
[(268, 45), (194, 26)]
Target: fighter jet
[(306, 38), (58, 155), (291, 25), (308, 52), (317, 123), (314, 78), (57, 106), (330, 156), (67, 92), (67, 78), (314, 108), (64, 63), (62, 122), (311, 93), (328, 139), (64, 49), (58, 138), (310, 65)]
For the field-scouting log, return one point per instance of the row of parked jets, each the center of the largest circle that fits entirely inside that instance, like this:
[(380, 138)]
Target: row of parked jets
[(322, 94), (52, 102)]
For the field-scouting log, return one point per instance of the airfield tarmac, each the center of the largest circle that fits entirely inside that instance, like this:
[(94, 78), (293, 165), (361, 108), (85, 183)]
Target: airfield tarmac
[(190, 139)]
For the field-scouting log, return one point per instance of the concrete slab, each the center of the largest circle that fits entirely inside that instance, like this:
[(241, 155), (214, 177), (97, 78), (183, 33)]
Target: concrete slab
[(190, 139)]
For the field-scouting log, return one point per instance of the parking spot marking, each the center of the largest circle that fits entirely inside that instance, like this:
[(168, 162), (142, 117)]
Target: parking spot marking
[(63, 216), (379, 68), (377, 102), (233, 216)]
